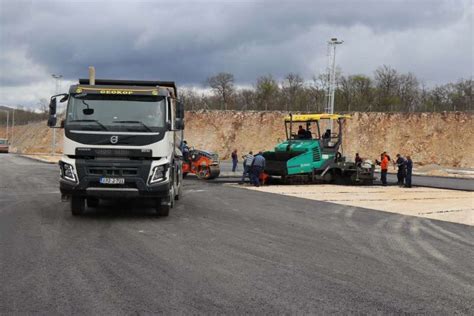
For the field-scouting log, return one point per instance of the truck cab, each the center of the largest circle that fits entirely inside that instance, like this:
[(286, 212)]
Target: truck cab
[(121, 141)]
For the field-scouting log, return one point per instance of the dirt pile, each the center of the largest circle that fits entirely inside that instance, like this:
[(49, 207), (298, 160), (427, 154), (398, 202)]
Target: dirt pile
[(444, 139)]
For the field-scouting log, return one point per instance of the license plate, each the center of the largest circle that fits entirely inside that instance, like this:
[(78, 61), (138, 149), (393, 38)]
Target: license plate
[(105, 180)]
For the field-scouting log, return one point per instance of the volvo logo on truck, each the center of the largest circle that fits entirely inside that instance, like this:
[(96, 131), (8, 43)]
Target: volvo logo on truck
[(147, 166), (114, 139)]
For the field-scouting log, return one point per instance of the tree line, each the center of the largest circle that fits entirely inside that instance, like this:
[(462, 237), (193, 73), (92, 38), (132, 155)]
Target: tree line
[(386, 91), (24, 115)]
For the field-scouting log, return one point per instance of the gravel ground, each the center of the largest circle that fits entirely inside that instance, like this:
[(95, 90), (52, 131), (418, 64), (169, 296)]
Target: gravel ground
[(447, 205)]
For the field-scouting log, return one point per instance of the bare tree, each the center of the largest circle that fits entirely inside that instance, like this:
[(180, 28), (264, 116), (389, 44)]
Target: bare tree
[(387, 82), (43, 105), (245, 99), (223, 86), (355, 93), (409, 92), (292, 88), (267, 90)]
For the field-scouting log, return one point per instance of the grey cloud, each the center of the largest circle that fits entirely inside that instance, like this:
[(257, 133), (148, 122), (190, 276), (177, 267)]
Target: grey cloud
[(187, 41)]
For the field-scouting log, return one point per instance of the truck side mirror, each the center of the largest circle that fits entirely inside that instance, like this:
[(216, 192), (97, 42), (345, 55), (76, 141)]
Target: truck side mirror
[(52, 106), (179, 124), (180, 110), (52, 120)]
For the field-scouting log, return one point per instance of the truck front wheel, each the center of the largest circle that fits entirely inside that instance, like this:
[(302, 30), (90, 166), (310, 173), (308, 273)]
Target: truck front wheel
[(77, 205), (163, 206), (162, 210)]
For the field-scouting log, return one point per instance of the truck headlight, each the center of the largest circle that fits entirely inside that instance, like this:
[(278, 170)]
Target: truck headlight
[(67, 172), (159, 174)]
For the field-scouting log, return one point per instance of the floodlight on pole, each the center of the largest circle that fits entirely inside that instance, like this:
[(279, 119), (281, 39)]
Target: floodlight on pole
[(57, 78)]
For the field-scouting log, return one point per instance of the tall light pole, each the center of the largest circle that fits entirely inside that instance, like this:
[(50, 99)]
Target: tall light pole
[(332, 75), (12, 127), (57, 78)]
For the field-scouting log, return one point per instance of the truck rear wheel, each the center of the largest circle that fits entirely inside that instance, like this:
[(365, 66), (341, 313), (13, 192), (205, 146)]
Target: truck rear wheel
[(77, 205)]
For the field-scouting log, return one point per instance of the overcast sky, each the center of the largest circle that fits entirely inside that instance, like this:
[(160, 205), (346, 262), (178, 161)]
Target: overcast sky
[(187, 41)]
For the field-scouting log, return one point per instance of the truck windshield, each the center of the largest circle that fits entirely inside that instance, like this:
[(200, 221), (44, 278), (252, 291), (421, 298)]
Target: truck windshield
[(116, 113)]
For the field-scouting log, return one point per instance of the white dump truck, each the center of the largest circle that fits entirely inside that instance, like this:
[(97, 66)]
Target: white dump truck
[(121, 141)]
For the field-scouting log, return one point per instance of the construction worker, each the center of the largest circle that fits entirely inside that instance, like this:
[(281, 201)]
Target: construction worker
[(326, 138), (409, 169), (248, 160), (235, 160), (401, 165), (327, 134), (258, 166), (185, 150), (384, 167), (301, 132), (358, 160)]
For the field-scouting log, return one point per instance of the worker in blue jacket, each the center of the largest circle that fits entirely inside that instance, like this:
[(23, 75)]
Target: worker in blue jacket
[(409, 169), (401, 173), (258, 165)]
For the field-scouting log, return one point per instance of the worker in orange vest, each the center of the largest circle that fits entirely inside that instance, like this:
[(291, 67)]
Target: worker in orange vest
[(384, 167)]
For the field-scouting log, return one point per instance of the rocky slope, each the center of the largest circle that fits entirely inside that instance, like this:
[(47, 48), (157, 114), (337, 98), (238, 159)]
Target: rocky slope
[(444, 139), (431, 138)]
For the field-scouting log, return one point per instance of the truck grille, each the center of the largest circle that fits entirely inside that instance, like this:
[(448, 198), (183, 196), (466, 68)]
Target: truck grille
[(113, 172)]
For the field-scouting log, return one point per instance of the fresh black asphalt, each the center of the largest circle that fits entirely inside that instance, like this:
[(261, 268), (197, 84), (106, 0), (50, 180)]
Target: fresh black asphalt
[(222, 250)]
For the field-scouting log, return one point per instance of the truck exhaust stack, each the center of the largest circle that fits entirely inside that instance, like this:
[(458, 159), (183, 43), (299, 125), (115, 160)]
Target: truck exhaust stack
[(92, 75)]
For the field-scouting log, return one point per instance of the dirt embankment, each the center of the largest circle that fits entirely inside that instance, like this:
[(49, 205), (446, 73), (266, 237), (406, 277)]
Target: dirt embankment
[(34, 138), (444, 139), (430, 138)]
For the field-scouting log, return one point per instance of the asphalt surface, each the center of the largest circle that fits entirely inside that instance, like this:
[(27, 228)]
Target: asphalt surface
[(222, 250), (424, 181)]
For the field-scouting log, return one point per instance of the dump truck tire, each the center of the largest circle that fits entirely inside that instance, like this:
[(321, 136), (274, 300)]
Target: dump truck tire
[(77, 205), (163, 210)]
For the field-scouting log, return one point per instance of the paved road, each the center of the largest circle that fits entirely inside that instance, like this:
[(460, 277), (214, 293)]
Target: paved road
[(222, 250), (426, 181)]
